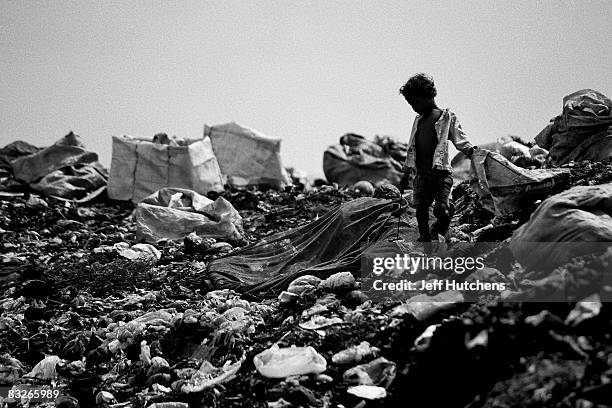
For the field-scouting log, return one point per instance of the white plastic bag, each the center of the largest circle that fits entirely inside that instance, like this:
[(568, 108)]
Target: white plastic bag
[(277, 362)]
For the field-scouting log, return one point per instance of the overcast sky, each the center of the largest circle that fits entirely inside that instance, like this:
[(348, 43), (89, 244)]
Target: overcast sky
[(303, 71)]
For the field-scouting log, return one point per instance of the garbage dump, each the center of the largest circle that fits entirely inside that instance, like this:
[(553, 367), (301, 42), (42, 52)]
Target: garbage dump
[(186, 320), (247, 156), (65, 169), (582, 131), (356, 159), (141, 166)]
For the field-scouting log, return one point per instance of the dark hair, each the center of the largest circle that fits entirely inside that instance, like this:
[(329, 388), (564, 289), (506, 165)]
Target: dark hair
[(419, 85)]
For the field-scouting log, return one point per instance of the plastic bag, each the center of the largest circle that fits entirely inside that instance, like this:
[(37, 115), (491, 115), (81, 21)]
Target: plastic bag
[(277, 362)]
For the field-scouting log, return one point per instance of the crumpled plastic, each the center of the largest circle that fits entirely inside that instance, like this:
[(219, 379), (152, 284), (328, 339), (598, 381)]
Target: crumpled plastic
[(355, 353), (45, 369), (370, 392), (377, 372), (174, 213), (424, 306), (277, 362), (11, 369), (587, 308), (141, 251)]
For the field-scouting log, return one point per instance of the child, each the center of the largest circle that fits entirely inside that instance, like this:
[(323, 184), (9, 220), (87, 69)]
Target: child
[(428, 155)]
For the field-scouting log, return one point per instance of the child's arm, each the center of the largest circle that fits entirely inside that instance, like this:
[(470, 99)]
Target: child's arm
[(407, 170), (457, 136)]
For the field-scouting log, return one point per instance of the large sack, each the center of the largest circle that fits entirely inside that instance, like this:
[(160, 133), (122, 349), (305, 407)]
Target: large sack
[(67, 151), (247, 156), (65, 169), (357, 159), (174, 213), (336, 242), (461, 164), (15, 150), (507, 185), (78, 181), (582, 131), (575, 222), (140, 167)]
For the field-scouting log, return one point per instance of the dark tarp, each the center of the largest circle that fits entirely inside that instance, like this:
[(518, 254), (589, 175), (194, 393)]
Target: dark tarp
[(333, 243)]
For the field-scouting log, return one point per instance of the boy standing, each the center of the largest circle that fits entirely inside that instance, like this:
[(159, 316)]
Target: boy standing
[(428, 155)]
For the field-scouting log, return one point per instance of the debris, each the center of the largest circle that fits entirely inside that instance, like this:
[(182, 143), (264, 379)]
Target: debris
[(480, 340), (277, 362), (105, 398), (208, 376), (174, 213), (356, 159), (564, 226), (36, 203), (11, 370), (387, 191), (364, 188), (422, 342), (587, 308), (319, 322), (45, 369), (169, 405), (141, 251), (65, 169), (339, 282), (424, 306), (582, 131), (302, 284), (355, 354), (280, 403), (369, 392), (377, 372)]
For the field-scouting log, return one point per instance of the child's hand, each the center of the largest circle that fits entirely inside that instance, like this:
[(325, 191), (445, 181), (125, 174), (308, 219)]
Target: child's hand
[(471, 152), (405, 181)]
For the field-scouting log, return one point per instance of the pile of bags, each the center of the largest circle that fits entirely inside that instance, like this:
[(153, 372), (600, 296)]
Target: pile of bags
[(583, 130), (65, 169), (357, 159)]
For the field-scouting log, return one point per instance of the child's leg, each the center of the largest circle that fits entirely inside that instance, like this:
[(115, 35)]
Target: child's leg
[(422, 197), (442, 208)]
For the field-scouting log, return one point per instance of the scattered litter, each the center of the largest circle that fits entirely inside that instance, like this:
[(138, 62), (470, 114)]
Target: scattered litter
[(355, 354), (377, 372), (586, 309), (369, 392), (277, 362)]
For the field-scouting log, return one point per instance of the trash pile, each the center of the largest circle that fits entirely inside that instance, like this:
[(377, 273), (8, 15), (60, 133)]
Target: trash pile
[(356, 159), (253, 296)]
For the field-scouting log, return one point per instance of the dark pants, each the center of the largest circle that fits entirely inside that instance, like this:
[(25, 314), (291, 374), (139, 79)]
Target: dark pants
[(433, 186)]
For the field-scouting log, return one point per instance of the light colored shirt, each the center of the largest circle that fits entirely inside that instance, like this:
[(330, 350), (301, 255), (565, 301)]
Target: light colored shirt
[(447, 128)]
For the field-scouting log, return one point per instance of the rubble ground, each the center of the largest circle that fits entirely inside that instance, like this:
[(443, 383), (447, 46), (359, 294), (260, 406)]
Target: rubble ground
[(132, 332)]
